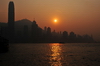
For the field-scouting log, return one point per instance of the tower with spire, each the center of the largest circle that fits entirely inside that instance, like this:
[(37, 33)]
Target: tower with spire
[(11, 19)]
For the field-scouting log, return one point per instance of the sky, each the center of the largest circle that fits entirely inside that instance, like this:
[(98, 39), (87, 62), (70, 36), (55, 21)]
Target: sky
[(80, 16)]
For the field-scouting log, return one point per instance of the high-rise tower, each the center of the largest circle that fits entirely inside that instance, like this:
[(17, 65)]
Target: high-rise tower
[(11, 18)]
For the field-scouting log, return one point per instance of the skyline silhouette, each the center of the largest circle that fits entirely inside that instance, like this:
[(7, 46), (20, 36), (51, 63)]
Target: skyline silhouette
[(37, 34), (49, 33)]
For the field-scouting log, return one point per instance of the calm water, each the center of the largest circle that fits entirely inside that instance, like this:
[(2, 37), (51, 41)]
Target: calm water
[(52, 54)]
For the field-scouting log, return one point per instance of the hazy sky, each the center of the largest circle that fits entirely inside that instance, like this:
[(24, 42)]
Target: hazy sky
[(79, 16)]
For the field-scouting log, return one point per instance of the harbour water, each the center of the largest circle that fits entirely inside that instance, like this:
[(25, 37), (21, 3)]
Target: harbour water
[(51, 54)]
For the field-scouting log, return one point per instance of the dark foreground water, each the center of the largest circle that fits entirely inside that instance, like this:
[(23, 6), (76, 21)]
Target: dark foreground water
[(52, 54)]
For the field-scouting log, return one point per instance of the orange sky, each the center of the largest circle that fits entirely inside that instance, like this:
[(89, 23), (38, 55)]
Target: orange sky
[(79, 16)]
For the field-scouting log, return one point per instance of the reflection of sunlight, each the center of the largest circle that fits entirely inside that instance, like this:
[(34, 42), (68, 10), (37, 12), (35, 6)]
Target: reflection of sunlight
[(56, 55)]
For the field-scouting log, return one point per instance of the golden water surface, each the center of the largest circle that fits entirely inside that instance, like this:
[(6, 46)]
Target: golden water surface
[(55, 58)]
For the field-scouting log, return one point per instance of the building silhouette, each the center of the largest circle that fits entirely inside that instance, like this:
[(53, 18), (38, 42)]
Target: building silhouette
[(11, 18), (27, 31), (65, 36), (34, 29)]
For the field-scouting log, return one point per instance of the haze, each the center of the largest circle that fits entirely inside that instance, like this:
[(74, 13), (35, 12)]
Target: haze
[(79, 16)]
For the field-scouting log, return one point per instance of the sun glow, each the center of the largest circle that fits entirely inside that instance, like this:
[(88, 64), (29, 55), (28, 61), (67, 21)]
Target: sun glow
[(55, 20)]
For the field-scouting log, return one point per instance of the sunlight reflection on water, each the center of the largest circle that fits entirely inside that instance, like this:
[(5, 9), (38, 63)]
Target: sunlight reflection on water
[(52, 54), (55, 58)]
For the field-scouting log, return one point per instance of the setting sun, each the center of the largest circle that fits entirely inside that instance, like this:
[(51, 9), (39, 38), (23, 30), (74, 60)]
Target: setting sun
[(55, 20)]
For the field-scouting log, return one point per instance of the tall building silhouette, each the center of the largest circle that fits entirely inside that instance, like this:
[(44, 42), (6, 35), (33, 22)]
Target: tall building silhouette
[(34, 29), (11, 18)]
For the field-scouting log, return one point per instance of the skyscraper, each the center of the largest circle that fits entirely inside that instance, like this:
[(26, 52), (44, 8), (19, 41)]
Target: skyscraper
[(11, 18)]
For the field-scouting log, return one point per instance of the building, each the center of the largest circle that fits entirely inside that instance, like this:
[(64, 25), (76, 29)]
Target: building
[(11, 19)]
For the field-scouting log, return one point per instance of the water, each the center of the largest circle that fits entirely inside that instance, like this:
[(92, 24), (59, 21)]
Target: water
[(52, 54)]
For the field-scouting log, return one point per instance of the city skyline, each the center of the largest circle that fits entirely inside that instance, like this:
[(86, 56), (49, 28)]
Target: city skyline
[(79, 24), (50, 37)]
